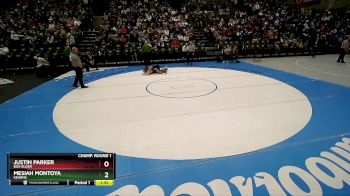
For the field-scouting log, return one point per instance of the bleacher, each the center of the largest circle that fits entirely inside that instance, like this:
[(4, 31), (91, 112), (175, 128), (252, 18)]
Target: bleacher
[(114, 54)]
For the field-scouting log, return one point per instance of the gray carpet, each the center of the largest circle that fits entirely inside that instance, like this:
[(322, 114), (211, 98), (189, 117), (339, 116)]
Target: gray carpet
[(22, 83)]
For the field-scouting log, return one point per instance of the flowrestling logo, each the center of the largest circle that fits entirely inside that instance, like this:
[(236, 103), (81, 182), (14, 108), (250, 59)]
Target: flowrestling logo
[(330, 169)]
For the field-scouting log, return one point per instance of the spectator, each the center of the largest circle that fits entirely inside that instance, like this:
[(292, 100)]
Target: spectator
[(191, 52), (41, 62), (43, 68), (4, 51), (344, 49), (70, 40)]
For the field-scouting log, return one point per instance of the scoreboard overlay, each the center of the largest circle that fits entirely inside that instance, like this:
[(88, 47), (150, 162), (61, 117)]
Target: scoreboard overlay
[(60, 168)]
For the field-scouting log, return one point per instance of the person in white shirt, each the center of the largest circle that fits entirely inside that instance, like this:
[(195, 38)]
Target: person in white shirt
[(41, 62), (51, 26), (344, 49), (166, 32), (226, 53), (191, 52), (164, 38), (185, 47), (43, 68), (3, 52), (185, 51), (234, 53), (50, 39), (15, 36), (186, 38), (70, 40)]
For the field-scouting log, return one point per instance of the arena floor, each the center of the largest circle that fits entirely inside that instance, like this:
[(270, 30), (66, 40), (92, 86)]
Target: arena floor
[(277, 126)]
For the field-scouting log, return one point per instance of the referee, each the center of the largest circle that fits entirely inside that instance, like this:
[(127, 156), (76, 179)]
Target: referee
[(78, 67)]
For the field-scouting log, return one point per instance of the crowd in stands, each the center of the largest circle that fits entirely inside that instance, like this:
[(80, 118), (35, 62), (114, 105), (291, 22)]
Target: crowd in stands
[(265, 21), (134, 23), (41, 28)]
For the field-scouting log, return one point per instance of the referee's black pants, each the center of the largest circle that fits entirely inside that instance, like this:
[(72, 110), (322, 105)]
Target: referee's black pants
[(78, 76)]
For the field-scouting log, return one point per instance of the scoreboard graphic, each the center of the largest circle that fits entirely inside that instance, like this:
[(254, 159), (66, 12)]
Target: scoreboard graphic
[(61, 169)]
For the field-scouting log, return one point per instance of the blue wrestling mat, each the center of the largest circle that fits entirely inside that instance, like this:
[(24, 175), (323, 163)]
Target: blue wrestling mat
[(316, 160)]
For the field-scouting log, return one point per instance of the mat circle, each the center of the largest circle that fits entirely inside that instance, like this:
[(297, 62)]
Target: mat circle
[(181, 88)]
